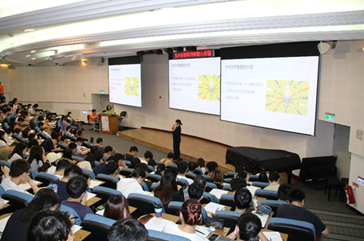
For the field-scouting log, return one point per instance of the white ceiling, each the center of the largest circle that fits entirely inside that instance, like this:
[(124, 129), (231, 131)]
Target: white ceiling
[(100, 28)]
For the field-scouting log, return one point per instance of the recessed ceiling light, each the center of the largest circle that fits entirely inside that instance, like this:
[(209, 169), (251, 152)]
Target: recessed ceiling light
[(29, 29), (33, 51), (33, 58), (28, 55)]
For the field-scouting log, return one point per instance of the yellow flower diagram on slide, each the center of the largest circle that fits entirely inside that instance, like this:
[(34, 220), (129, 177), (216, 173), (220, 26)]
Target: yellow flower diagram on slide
[(132, 86), (287, 96), (209, 87)]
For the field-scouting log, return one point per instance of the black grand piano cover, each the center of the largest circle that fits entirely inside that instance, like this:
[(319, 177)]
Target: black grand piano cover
[(253, 159)]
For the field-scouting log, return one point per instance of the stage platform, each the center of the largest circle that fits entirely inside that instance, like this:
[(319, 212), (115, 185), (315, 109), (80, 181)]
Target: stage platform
[(191, 147)]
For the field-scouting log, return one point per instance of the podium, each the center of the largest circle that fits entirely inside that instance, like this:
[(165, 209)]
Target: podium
[(108, 123)]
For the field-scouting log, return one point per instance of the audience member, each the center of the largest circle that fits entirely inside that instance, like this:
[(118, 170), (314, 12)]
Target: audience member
[(93, 117), (117, 208), (18, 223), (108, 151), (127, 230), (237, 183), (36, 158), (3, 141), (6, 150), (49, 144), (242, 201), (195, 192), (190, 216), (19, 171), (134, 162), (182, 169), (132, 184), (131, 154), (192, 167), (211, 166), (169, 159), (99, 142), (112, 169), (81, 150), (217, 177), (148, 155), (283, 191), (50, 226), (77, 196), (60, 186), (168, 190), (88, 162), (263, 177), (160, 169), (17, 153), (61, 166), (201, 164), (249, 228), (274, 180), (295, 210)]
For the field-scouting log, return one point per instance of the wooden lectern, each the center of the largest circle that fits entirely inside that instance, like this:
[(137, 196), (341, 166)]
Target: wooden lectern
[(109, 123)]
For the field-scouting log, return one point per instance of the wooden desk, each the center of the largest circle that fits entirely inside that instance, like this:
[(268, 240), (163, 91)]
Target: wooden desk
[(284, 236), (81, 235), (228, 208), (5, 215), (92, 201), (132, 209)]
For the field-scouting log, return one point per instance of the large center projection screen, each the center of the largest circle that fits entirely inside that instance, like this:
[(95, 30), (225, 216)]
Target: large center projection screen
[(276, 93), (194, 85), (125, 85)]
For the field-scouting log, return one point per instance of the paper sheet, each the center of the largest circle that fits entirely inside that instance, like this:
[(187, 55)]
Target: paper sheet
[(94, 183), (273, 236), (218, 192), (3, 223), (75, 228), (213, 207), (90, 195), (263, 218), (26, 186), (157, 224), (252, 189), (100, 212), (204, 231)]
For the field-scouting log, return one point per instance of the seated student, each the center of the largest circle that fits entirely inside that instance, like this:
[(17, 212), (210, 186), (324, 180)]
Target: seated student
[(60, 167), (237, 183), (112, 169), (6, 150), (127, 230), (242, 200), (263, 177), (36, 158), (274, 180), (101, 168), (160, 169), (46, 129), (88, 162), (25, 133), (283, 191), (182, 167), (169, 159), (249, 228), (168, 190), (50, 145), (211, 166), (295, 210), (117, 208), (59, 186), (192, 167), (99, 144), (136, 161), (201, 164), (190, 216), (3, 141), (195, 192), (132, 184), (93, 116), (70, 151), (50, 226), (19, 171), (217, 177), (17, 153), (108, 151), (77, 196), (81, 150), (131, 154), (18, 223), (148, 155)]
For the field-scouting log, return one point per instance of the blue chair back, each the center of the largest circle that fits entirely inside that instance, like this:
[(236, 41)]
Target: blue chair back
[(144, 204), (2, 191), (108, 176), (126, 171), (78, 158), (210, 186), (253, 178), (99, 219), (18, 199), (88, 173), (5, 163), (165, 236), (231, 174), (174, 207), (199, 169), (128, 163), (227, 199), (230, 218), (226, 187), (191, 175), (144, 186), (182, 182), (151, 168), (274, 204), (154, 177), (210, 196), (12, 115), (172, 165), (268, 194), (105, 192), (109, 181), (296, 230), (260, 184), (159, 162), (70, 211), (33, 174)]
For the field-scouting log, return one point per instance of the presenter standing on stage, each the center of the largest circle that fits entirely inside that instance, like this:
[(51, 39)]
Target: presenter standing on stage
[(176, 129)]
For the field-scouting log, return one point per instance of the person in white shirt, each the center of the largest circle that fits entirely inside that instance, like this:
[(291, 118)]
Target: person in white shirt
[(132, 184), (190, 216), (18, 152), (182, 167), (88, 162), (148, 155), (20, 171), (274, 180), (3, 141)]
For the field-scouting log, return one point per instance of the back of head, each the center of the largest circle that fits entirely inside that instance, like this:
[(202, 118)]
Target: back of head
[(108, 149), (195, 191), (118, 157), (200, 162), (211, 166), (67, 153), (296, 195), (99, 140), (182, 167), (49, 226), (237, 183), (127, 230), (171, 170), (217, 176), (191, 212), (138, 172), (18, 167), (72, 145), (142, 166), (274, 176), (62, 164), (72, 171), (148, 154), (263, 177), (117, 208), (249, 227), (76, 187), (91, 159), (152, 162), (192, 166), (200, 180), (242, 174), (242, 198), (283, 191), (111, 167), (133, 148), (135, 161), (79, 139), (170, 155), (160, 169), (98, 155)]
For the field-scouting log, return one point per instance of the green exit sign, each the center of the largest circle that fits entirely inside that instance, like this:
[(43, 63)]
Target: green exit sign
[(102, 91), (330, 116)]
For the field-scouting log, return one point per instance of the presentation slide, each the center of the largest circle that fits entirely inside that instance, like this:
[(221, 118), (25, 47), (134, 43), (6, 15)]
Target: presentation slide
[(276, 93), (125, 85), (194, 85)]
